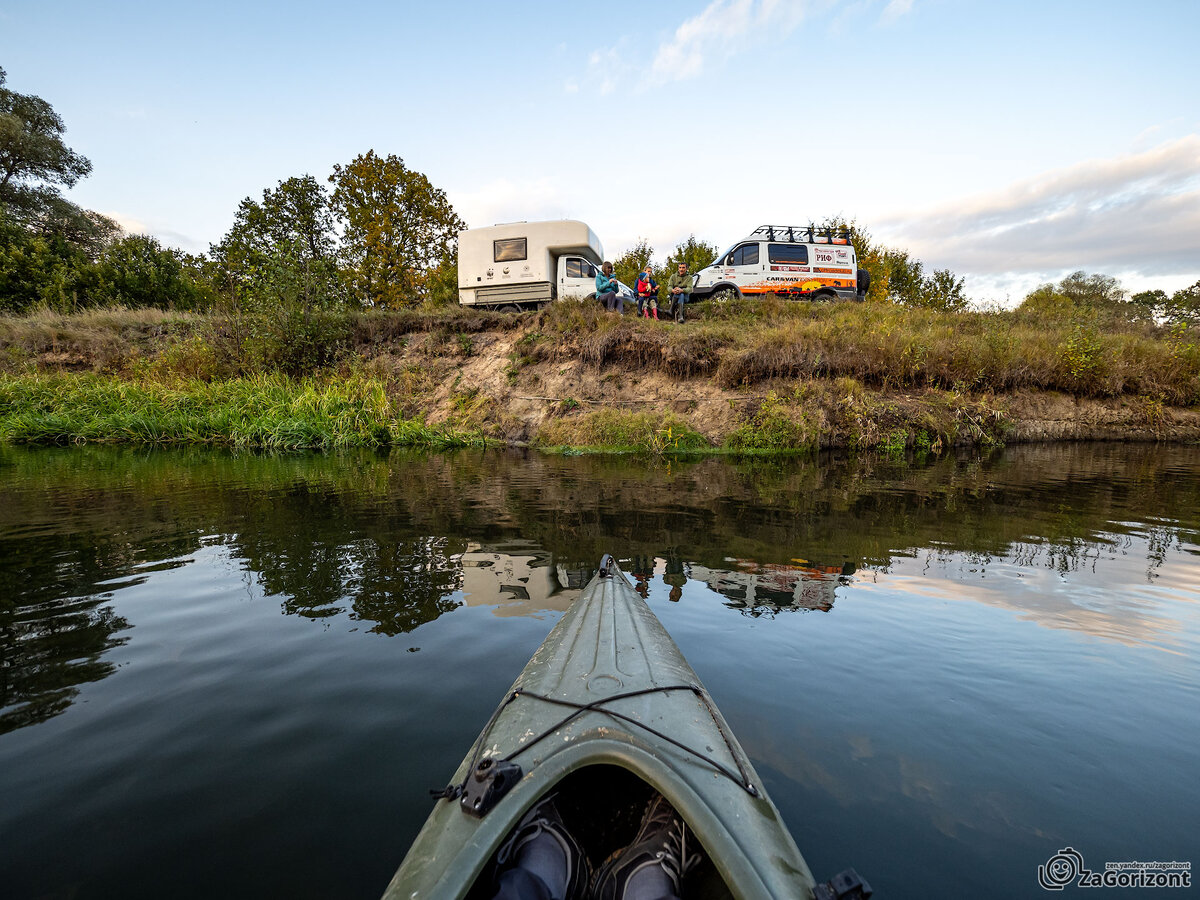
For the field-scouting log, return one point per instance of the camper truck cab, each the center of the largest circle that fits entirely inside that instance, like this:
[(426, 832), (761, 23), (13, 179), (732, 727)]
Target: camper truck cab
[(523, 265), (796, 261)]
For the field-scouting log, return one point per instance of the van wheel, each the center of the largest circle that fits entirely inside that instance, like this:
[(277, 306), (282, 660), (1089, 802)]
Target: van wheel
[(823, 297), (725, 294)]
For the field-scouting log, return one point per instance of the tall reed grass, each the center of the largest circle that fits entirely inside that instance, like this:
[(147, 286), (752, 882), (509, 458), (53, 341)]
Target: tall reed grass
[(267, 411)]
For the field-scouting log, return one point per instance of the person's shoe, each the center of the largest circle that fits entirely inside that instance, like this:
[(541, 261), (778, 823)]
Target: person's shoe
[(663, 849), (656, 315), (542, 845)]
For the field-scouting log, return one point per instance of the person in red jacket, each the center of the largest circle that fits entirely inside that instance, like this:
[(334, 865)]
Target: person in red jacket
[(647, 293)]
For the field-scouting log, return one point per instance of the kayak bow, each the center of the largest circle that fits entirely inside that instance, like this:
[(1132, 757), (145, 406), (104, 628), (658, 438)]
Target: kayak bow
[(607, 696)]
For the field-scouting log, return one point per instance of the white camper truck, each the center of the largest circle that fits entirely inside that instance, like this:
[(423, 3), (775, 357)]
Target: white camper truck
[(523, 265)]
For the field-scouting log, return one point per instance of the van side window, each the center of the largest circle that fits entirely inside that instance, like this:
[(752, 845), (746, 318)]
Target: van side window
[(745, 255), (509, 249), (788, 253)]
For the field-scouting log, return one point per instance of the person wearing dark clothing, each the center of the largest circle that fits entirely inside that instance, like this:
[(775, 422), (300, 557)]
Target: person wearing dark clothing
[(543, 861)]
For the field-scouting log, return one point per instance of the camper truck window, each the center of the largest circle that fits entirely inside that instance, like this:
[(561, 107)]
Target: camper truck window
[(578, 268), (509, 249), (788, 253)]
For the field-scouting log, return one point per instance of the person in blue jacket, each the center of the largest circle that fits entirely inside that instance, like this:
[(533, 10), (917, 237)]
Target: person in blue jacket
[(608, 291)]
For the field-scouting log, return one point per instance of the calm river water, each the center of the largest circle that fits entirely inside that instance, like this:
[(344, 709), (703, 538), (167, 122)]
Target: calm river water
[(238, 675)]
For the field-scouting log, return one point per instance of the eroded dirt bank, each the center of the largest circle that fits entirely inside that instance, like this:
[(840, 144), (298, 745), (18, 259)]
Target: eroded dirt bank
[(522, 391)]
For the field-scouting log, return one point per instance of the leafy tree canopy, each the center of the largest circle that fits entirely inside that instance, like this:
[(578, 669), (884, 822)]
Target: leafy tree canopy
[(282, 248), (294, 213), (1093, 296), (693, 253), (1180, 308), (136, 270), (35, 163), (627, 266), (397, 227)]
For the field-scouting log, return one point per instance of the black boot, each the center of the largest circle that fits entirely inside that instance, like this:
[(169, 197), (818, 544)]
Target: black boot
[(662, 853), (543, 848)]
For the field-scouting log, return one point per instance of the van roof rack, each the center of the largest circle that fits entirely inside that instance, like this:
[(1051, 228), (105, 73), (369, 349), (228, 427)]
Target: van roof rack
[(802, 234)]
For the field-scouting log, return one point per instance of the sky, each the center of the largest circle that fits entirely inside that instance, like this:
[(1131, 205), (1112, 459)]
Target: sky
[(1010, 142)]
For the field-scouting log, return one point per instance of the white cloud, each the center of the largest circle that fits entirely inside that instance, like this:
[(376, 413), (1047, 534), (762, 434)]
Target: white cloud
[(504, 200), (1138, 213), (128, 224), (606, 65), (166, 236), (723, 28), (894, 10)]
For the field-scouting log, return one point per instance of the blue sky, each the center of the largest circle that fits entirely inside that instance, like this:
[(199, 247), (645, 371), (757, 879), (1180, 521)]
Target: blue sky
[(1011, 142)]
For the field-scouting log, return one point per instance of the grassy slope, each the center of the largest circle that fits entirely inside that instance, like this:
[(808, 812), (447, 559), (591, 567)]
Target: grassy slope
[(776, 376)]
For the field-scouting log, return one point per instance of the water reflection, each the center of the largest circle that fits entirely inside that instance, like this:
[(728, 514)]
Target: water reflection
[(390, 543), (766, 589), (518, 579)]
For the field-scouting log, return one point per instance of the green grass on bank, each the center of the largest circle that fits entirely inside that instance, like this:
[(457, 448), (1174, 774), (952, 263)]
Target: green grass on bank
[(268, 411)]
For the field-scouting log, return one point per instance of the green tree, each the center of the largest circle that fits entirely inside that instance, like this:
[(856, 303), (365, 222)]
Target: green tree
[(942, 290), (35, 164), (693, 253), (33, 157), (441, 282), (282, 247), (1184, 307), (1151, 305), (397, 227), (1095, 297), (136, 270), (34, 268), (627, 266), (905, 277)]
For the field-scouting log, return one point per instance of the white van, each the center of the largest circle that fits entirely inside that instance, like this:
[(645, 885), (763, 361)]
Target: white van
[(796, 261), (523, 265)]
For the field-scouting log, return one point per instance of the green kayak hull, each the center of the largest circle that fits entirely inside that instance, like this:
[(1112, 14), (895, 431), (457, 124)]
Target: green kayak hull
[(606, 647)]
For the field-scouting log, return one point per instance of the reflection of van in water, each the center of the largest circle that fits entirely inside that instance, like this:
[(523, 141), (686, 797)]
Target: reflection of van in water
[(523, 265), (796, 261)]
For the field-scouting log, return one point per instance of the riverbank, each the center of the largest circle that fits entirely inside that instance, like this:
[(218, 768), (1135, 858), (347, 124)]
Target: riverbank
[(750, 377)]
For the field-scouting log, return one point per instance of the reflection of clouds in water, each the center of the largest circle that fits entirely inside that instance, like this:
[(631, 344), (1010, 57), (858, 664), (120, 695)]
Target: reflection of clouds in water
[(1105, 592), (876, 778)]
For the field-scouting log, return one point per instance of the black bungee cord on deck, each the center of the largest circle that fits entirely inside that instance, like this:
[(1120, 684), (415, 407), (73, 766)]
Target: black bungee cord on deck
[(497, 776)]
